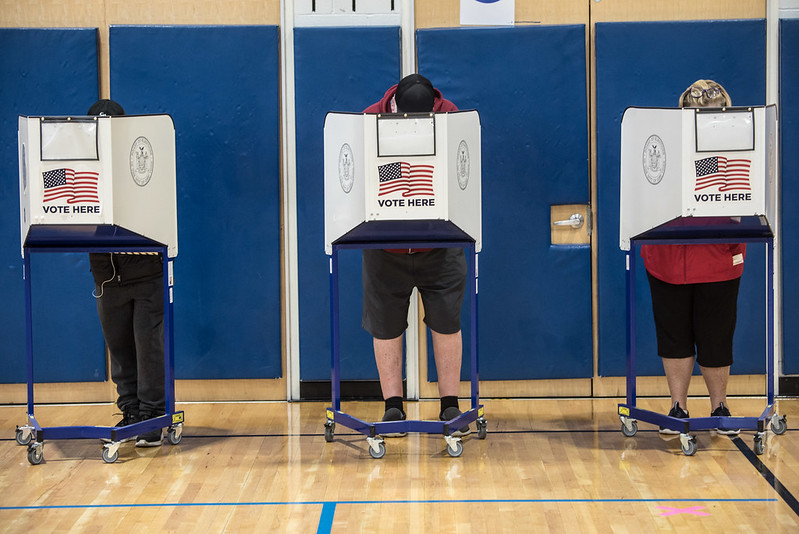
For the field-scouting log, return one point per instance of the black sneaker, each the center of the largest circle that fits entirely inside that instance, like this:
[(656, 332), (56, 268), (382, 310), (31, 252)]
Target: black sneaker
[(451, 413), (394, 414), (153, 438), (130, 415), (723, 411), (679, 413)]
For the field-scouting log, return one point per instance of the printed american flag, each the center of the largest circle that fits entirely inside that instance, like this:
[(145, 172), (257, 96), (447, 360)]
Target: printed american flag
[(74, 186), (728, 174), (402, 177)]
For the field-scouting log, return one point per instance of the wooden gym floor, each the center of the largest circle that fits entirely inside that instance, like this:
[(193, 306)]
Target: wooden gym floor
[(547, 465)]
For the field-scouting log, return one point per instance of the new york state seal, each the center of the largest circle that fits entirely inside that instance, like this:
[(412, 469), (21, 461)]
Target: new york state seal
[(654, 159), (141, 161)]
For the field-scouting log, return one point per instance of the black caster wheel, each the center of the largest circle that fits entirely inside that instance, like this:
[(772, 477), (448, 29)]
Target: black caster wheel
[(379, 453), (779, 425), (759, 445), (455, 450), (24, 438), (630, 430), (173, 437), (109, 457), (689, 447), (482, 428), (35, 455), (330, 429)]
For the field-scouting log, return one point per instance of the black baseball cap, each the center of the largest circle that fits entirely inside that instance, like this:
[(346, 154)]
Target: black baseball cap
[(415, 93), (106, 107)]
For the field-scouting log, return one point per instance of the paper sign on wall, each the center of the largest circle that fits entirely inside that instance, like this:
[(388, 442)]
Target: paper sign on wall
[(488, 12)]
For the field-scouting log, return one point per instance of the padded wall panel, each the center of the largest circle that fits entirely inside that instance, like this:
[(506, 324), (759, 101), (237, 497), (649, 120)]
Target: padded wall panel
[(221, 86), (336, 69), (44, 72), (529, 85), (789, 131), (651, 64)]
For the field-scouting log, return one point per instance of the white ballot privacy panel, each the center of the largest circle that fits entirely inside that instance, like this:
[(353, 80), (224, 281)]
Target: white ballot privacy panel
[(394, 167), (99, 171), (696, 162)]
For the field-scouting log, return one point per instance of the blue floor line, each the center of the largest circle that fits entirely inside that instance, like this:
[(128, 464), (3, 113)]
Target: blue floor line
[(326, 520), (333, 504)]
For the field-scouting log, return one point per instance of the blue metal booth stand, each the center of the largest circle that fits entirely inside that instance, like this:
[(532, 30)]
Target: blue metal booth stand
[(753, 229), (96, 238), (404, 234)]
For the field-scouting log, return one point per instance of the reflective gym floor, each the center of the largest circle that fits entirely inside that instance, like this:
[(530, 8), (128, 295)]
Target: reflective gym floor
[(546, 465)]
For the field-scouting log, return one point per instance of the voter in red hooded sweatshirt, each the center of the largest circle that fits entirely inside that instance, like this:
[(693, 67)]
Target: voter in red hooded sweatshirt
[(695, 299), (389, 277)]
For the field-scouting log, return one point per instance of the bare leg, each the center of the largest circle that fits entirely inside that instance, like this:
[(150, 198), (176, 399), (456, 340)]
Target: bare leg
[(447, 349), (388, 356), (678, 375), (716, 380)]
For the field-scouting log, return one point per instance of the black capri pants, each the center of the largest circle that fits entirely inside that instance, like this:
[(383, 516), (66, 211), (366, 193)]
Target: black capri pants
[(695, 319)]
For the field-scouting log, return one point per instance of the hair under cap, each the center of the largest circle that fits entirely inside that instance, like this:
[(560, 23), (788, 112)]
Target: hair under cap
[(415, 93), (106, 107)]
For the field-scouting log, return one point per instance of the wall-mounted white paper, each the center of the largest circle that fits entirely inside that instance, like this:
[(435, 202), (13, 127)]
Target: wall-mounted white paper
[(488, 12)]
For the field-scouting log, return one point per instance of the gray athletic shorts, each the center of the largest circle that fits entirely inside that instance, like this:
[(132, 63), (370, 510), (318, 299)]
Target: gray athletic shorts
[(389, 279), (695, 319)]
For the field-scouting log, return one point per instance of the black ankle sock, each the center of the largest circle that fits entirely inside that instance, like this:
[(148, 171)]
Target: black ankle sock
[(446, 402), (394, 402)]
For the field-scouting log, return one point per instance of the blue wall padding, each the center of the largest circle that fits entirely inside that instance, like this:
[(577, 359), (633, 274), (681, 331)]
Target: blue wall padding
[(221, 86), (789, 130), (336, 69), (529, 86), (651, 64), (44, 72)]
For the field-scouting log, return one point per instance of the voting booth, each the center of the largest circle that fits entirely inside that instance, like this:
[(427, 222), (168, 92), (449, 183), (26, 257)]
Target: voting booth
[(698, 176), (98, 171), (696, 162), (398, 181), (98, 184), (402, 167)]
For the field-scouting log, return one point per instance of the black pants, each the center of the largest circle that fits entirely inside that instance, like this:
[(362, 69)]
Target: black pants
[(132, 317), (695, 319)]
